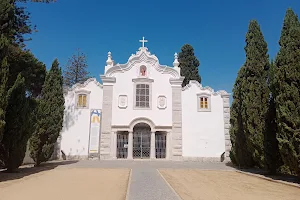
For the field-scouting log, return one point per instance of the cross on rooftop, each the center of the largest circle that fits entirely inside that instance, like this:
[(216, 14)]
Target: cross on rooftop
[(143, 41)]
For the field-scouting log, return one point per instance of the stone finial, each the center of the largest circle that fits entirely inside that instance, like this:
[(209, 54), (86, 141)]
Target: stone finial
[(109, 59), (176, 63)]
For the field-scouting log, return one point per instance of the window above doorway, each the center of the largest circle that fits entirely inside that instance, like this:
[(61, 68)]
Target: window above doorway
[(142, 95), (204, 102), (82, 99)]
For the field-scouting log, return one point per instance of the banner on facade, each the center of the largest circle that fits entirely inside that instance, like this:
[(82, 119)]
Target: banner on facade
[(95, 131)]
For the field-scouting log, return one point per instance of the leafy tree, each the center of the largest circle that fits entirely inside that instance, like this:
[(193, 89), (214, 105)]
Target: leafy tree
[(239, 153), (34, 71), (255, 92), (17, 128), (287, 92), (188, 64), (14, 24), (49, 116), (76, 70)]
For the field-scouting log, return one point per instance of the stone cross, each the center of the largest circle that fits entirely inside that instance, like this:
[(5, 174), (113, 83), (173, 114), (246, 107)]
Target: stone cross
[(143, 41)]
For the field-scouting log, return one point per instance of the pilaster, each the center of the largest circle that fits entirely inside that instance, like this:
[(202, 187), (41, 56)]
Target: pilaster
[(130, 145), (226, 115), (177, 119), (168, 145), (152, 150), (114, 145), (106, 132)]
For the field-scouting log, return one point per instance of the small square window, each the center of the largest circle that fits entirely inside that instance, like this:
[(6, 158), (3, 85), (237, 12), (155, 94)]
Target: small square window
[(204, 104), (82, 99)]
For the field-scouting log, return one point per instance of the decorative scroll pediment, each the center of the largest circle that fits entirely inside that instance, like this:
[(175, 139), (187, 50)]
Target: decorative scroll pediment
[(142, 56)]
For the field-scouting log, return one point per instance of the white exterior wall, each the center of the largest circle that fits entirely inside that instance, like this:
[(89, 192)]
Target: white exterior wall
[(76, 126), (125, 86), (202, 132)]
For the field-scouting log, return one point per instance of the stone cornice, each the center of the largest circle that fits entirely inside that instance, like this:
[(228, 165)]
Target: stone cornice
[(223, 93), (82, 85), (82, 91), (143, 80), (176, 81), (106, 79), (142, 56)]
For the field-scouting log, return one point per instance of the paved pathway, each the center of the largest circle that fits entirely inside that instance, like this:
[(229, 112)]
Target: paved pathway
[(146, 183)]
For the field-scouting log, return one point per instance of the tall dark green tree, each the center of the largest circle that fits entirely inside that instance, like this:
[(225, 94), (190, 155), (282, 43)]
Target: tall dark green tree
[(14, 24), (256, 92), (239, 153), (6, 35), (17, 128), (272, 156), (250, 102), (188, 64), (49, 116), (287, 92), (76, 69)]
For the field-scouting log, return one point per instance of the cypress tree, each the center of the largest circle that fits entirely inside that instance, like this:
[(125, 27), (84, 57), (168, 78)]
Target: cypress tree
[(17, 128), (239, 153), (255, 92), (188, 64), (49, 116), (287, 92), (6, 35), (272, 156)]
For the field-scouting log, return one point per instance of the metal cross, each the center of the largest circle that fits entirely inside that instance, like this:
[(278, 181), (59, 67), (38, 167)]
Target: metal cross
[(143, 41)]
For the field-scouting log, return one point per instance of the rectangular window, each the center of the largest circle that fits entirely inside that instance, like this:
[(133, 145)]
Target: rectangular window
[(82, 100), (203, 103), (142, 96)]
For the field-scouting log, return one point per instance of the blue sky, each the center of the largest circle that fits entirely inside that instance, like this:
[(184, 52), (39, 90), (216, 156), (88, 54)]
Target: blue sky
[(216, 29)]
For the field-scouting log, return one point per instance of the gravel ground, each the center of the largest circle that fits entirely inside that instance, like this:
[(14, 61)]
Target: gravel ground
[(67, 184), (146, 183), (193, 184)]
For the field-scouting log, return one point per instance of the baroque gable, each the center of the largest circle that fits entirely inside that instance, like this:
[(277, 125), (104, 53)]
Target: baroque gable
[(205, 89), (141, 56), (78, 86)]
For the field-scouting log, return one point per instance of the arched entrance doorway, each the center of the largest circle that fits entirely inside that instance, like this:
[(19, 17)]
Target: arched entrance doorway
[(141, 141)]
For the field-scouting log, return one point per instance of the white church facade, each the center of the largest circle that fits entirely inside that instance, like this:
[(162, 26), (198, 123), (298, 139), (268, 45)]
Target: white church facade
[(141, 111)]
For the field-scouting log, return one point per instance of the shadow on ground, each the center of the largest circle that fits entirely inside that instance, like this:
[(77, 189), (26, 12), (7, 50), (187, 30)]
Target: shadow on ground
[(280, 177), (30, 169)]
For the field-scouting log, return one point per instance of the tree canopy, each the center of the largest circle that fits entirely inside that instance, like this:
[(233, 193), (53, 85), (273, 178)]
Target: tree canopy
[(188, 64)]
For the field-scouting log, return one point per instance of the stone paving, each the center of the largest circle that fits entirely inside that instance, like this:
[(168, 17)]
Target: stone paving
[(145, 182)]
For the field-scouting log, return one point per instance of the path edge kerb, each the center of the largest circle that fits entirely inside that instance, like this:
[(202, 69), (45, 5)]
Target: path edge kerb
[(269, 179), (171, 188), (128, 185)]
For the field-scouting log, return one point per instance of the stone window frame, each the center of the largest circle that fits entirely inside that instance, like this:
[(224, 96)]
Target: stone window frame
[(82, 92), (136, 82), (204, 95)]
